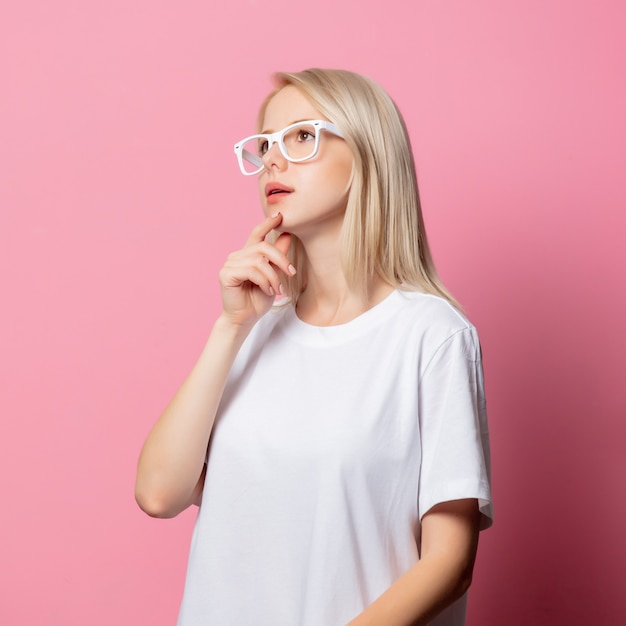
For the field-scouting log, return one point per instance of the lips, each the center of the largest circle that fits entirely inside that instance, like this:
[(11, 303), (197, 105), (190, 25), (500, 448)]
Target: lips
[(276, 189)]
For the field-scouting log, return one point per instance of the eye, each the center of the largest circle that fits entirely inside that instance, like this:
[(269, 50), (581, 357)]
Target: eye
[(305, 135), (262, 147)]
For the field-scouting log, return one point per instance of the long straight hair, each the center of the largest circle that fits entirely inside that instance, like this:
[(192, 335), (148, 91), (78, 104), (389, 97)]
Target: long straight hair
[(383, 230)]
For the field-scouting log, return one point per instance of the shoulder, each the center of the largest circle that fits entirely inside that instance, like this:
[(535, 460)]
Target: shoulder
[(264, 333), (432, 305), (266, 326), (431, 315), (433, 325)]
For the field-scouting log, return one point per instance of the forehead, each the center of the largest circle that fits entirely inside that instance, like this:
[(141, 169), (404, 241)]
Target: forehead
[(289, 105)]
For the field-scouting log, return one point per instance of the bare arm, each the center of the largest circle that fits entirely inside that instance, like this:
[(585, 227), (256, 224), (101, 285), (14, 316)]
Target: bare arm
[(170, 473), (443, 574)]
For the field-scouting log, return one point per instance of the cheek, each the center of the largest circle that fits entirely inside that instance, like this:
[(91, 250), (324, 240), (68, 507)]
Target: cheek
[(342, 170), (349, 178), (333, 193), (340, 178)]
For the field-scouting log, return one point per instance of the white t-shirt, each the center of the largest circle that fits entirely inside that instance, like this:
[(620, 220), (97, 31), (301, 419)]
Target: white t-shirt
[(330, 445)]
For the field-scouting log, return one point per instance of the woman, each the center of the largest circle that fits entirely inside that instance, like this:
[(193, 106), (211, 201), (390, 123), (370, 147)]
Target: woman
[(337, 443)]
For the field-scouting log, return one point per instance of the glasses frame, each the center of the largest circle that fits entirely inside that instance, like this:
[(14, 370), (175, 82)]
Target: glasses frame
[(278, 137)]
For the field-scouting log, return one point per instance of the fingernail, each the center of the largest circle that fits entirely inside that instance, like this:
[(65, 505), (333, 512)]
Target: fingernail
[(271, 291), (280, 289), (275, 214), (292, 269)]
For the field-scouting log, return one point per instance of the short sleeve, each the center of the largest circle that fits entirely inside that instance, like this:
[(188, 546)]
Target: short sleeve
[(456, 462)]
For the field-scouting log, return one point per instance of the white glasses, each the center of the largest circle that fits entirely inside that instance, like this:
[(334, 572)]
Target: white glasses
[(298, 142)]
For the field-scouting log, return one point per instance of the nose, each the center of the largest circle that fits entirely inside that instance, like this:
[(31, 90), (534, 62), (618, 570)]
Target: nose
[(274, 158)]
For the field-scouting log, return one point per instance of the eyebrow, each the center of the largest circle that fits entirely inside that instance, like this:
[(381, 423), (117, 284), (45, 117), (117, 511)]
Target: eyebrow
[(270, 131)]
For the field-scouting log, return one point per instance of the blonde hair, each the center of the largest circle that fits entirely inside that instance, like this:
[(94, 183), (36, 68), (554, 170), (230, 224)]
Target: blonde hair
[(383, 230)]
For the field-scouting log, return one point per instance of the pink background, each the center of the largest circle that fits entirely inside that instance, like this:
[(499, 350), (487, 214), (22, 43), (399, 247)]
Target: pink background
[(120, 197)]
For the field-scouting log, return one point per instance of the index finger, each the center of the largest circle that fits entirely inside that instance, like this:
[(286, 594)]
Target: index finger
[(262, 230)]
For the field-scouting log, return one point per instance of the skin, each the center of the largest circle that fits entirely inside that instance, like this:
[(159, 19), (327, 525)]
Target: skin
[(170, 473), (320, 186), (314, 212)]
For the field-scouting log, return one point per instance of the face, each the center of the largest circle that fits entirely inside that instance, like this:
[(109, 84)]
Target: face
[(315, 192)]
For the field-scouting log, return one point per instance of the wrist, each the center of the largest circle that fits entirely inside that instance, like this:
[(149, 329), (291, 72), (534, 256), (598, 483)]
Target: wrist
[(227, 325)]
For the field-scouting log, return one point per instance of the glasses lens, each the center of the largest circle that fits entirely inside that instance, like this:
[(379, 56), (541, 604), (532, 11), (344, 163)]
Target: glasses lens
[(253, 150), (300, 141)]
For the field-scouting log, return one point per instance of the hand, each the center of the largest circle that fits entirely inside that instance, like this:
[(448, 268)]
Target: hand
[(251, 277)]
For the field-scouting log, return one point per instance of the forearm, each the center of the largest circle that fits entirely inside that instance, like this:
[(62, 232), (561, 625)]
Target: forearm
[(443, 574), (171, 461), (418, 596)]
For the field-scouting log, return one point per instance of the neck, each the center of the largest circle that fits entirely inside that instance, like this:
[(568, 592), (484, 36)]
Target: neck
[(327, 299)]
